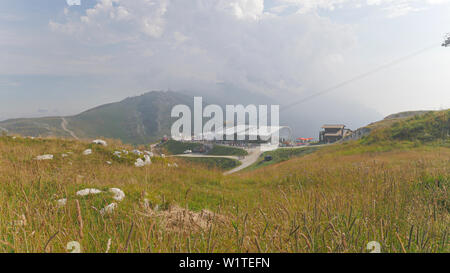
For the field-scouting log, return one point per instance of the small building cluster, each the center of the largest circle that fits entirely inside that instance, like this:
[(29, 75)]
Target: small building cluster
[(330, 133), (249, 135), (333, 132)]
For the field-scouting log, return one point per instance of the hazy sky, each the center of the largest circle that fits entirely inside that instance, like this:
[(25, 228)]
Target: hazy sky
[(58, 59)]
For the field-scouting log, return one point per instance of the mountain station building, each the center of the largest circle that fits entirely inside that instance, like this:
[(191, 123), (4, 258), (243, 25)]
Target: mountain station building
[(333, 132)]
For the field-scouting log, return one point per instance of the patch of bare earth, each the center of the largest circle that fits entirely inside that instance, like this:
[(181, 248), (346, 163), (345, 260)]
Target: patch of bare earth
[(182, 220)]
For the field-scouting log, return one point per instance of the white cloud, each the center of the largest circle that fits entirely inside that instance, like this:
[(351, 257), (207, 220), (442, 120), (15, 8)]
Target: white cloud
[(109, 21), (73, 2), (393, 8), (182, 44), (190, 44), (246, 9), (283, 46)]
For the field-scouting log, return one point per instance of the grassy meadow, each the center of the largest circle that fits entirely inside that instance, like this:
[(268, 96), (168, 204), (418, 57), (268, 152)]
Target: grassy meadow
[(224, 164), (281, 155), (337, 199), (177, 147)]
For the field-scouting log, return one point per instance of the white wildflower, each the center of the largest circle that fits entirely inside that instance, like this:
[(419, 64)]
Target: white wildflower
[(61, 202), (119, 195), (44, 157), (147, 161), (86, 192), (108, 209), (100, 142), (139, 163)]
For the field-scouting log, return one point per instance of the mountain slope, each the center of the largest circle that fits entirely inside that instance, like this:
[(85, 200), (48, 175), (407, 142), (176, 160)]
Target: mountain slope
[(422, 126), (134, 120), (50, 126)]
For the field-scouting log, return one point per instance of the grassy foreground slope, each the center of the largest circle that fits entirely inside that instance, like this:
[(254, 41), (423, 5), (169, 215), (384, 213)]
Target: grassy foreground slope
[(335, 200)]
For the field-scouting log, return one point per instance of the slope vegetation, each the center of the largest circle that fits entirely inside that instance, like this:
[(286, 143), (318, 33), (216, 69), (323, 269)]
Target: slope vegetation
[(336, 199), (424, 127)]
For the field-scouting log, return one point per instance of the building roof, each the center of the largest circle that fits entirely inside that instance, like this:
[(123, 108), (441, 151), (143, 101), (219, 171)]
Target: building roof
[(333, 126), (264, 132)]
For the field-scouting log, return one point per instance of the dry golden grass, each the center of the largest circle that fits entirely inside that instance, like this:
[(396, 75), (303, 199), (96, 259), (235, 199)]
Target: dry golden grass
[(330, 201)]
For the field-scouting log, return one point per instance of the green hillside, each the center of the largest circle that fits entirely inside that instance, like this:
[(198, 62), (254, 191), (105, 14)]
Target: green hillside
[(226, 150), (50, 126), (135, 120), (281, 155), (214, 163), (424, 127), (177, 147)]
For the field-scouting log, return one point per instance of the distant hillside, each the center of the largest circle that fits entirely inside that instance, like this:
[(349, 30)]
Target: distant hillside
[(146, 118), (421, 126), (406, 114), (50, 126), (411, 125), (135, 120)]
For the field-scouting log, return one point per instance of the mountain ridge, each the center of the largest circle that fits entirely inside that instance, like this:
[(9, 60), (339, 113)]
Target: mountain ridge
[(134, 120), (146, 118)]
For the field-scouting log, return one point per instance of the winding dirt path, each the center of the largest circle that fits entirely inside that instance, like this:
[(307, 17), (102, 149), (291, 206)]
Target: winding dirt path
[(252, 157), (64, 127)]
